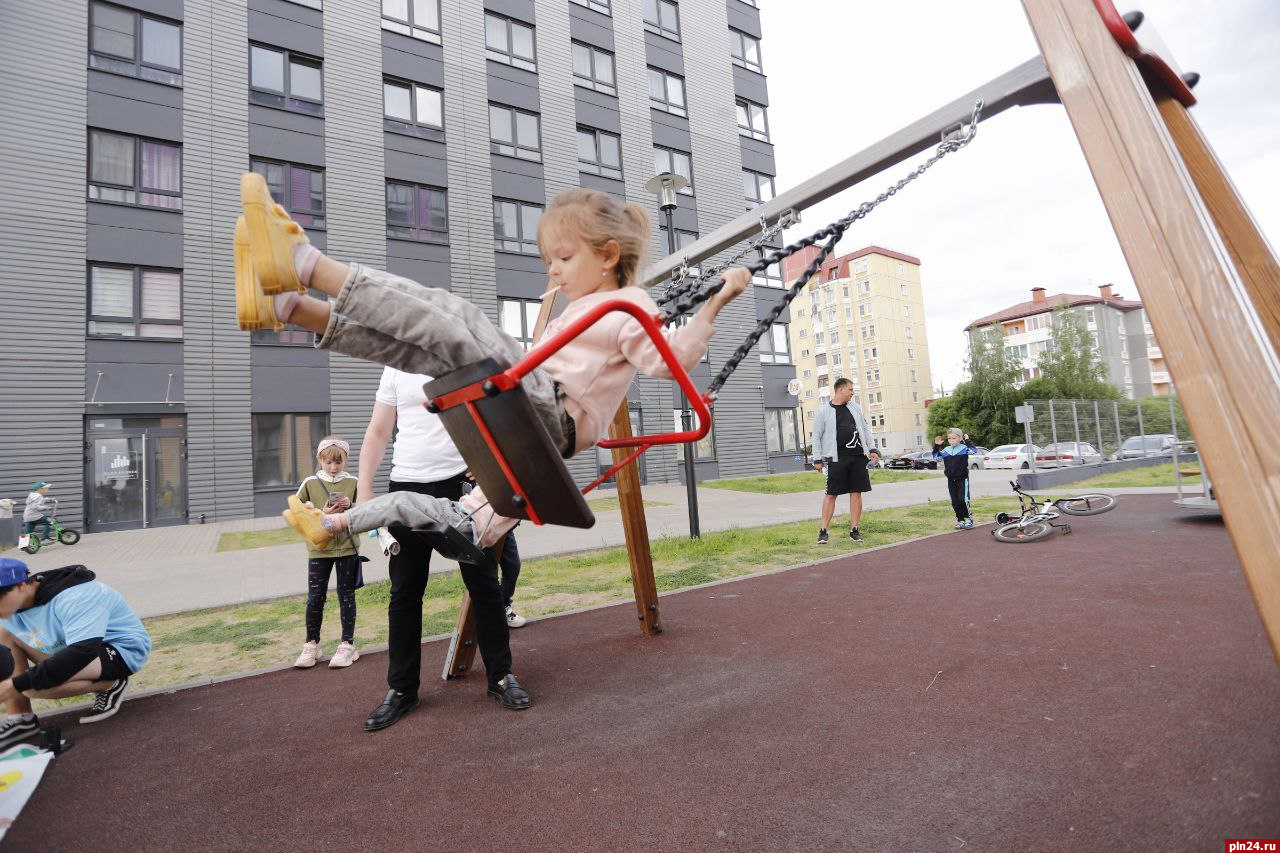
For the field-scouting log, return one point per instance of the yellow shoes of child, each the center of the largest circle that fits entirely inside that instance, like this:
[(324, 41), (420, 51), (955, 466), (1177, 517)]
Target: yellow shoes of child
[(307, 522), (254, 309), (272, 237)]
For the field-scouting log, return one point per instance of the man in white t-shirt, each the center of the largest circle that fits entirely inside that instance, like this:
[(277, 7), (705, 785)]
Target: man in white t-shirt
[(425, 460)]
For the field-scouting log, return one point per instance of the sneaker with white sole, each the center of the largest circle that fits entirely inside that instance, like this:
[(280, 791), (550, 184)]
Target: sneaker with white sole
[(968, 523), (344, 656), (17, 728), (514, 619), (822, 536), (106, 703), (959, 525), (310, 654)]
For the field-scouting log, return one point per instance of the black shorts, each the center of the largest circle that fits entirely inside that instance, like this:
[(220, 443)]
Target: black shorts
[(113, 665), (848, 475)]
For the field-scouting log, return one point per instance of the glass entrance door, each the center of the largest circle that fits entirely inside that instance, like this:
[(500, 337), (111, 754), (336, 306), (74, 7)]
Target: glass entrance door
[(136, 473)]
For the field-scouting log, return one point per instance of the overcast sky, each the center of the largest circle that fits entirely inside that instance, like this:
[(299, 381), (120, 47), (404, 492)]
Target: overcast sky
[(1018, 207)]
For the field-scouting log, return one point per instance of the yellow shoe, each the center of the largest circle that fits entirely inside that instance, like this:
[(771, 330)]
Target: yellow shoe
[(272, 236), (307, 523), (254, 309)]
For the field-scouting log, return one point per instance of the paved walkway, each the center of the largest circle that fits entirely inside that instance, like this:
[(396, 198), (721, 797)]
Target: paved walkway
[(175, 569)]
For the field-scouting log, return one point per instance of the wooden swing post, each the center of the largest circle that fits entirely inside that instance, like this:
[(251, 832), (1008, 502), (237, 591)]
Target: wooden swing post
[(1206, 275)]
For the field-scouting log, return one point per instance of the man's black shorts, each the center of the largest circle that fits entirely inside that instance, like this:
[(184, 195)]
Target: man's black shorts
[(848, 475), (113, 666)]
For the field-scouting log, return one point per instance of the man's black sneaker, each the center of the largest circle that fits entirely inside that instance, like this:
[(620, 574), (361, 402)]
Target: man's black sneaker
[(106, 703), (15, 729), (394, 706), (855, 535), (822, 536)]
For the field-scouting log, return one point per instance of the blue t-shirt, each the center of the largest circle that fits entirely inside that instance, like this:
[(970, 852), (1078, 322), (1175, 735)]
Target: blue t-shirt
[(83, 612)]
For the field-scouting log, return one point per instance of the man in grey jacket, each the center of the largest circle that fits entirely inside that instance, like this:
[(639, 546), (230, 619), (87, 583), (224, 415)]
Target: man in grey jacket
[(840, 442)]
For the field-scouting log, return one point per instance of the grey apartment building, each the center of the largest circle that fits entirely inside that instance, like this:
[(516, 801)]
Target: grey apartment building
[(421, 136)]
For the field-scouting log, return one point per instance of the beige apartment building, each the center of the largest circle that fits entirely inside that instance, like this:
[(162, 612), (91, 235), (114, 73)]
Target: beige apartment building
[(862, 316)]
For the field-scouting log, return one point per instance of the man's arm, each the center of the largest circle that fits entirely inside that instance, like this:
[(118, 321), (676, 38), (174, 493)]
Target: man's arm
[(819, 430), (382, 423)]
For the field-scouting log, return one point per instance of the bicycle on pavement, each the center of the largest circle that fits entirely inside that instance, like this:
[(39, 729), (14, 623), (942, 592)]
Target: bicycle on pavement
[(57, 533), (1037, 519)]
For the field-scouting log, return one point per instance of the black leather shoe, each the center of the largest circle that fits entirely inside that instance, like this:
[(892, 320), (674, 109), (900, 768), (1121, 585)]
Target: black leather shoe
[(394, 706), (509, 692)]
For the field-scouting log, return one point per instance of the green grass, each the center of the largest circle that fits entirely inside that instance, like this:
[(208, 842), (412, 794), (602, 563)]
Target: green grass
[(241, 540), (1155, 475), (804, 481), (241, 638)]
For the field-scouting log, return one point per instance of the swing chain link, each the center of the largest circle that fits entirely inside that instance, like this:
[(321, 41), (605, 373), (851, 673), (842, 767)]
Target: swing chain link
[(682, 282), (952, 140)]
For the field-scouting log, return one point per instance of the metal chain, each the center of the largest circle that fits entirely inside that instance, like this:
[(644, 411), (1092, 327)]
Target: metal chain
[(681, 283), (952, 141)]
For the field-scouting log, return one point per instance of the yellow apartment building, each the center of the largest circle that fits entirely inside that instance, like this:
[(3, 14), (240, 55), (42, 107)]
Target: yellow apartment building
[(862, 316)]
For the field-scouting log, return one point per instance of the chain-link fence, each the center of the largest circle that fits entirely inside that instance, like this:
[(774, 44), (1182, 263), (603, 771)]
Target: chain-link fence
[(1091, 431)]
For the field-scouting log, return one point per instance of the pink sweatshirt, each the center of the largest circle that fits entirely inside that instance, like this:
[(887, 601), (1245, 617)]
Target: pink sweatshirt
[(596, 367)]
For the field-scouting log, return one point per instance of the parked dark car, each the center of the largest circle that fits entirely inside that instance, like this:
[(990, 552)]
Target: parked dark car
[(1160, 444), (913, 461)]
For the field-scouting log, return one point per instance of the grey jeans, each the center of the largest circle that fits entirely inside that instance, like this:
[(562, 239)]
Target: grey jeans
[(396, 322)]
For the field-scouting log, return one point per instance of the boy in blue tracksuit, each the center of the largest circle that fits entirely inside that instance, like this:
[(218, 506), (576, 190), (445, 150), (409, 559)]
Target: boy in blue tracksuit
[(955, 463), (67, 634)]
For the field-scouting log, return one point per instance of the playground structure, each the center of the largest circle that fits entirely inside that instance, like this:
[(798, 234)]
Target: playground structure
[(1209, 280)]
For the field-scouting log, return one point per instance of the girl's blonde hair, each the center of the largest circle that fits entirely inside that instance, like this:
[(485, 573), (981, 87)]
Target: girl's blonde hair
[(595, 218)]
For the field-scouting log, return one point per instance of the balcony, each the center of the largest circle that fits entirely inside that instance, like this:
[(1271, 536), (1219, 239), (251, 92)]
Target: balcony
[(1154, 352), (1160, 377)]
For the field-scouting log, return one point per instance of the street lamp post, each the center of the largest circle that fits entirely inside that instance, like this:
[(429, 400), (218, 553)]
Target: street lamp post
[(665, 187)]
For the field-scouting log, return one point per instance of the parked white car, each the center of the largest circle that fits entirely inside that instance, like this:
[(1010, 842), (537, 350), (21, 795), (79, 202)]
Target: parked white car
[(1064, 454), (1009, 456)]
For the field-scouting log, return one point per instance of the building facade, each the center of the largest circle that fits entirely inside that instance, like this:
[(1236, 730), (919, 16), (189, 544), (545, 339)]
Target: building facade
[(421, 136), (863, 318), (1122, 336)]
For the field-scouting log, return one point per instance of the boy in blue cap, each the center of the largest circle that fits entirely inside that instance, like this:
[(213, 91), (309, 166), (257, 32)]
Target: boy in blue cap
[(67, 634)]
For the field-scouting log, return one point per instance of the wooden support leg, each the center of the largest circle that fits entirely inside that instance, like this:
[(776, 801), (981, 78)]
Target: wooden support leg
[(1222, 360), (636, 528), (462, 645)]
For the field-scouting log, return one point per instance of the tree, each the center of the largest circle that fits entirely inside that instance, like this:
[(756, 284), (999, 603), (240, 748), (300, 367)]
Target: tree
[(1072, 369), (985, 401)]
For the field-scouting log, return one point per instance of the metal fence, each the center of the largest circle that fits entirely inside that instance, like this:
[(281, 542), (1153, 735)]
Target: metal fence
[(1105, 425)]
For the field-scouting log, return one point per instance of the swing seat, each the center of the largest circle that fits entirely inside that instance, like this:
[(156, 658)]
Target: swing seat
[(547, 493), (452, 543)]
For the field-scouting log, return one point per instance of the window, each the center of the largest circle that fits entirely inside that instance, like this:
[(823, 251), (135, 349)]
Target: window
[(848, 312), (412, 108), (283, 446), (300, 189), (278, 78), (1089, 317), (131, 170), (666, 92), (126, 42), (906, 311), (845, 291), (599, 152), (706, 448), (417, 213), (869, 353), (593, 69), (917, 420), (601, 6), (864, 310), (745, 50), (133, 302), (509, 42), (514, 133), (914, 376), (835, 359), (909, 333), (752, 121), (757, 186), (869, 331), (670, 160), (684, 239), (515, 226), (773, 345), (902, 289), (831, 317), (772, 275), (911, 353), (519, 317), (417, 18), (782, 432), (864, 286), (662, 17), (915, 398)]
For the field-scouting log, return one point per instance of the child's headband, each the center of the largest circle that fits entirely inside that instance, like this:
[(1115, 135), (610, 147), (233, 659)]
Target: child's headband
[(334, 442)]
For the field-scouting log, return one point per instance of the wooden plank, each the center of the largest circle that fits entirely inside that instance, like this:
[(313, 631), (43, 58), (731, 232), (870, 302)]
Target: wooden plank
[(1219, 354), (462, 645), (635, 527), (1245, 242)]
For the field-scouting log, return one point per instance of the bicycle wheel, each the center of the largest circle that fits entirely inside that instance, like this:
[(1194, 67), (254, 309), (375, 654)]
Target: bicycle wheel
[(1086, 504), (1032, 531), (68, 536), (33, 544)]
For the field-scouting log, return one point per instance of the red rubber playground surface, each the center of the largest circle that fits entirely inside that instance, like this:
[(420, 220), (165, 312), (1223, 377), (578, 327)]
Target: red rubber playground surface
[(1112, 687)]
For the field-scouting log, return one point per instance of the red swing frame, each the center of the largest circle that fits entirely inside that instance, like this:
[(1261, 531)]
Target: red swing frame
[(508, 379)]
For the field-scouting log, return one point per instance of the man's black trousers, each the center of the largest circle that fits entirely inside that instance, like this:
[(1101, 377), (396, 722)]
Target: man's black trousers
[(409, 571)]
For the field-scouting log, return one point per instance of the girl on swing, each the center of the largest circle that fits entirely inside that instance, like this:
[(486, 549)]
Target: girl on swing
[(592, 246)]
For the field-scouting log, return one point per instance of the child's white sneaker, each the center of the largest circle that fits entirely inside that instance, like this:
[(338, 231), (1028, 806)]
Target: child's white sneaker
[(344, 656), (310, 654)]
